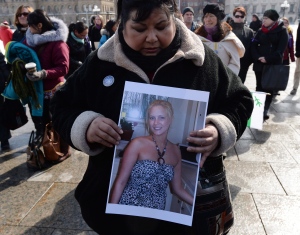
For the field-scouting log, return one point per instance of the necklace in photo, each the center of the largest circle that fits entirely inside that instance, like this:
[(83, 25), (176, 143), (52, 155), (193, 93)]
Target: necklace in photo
[(160, 159)]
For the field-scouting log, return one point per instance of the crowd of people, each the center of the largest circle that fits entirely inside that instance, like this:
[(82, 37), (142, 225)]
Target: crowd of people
[(157, 44)]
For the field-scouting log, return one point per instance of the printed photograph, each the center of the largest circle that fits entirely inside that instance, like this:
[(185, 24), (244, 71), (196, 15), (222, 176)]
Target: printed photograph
[(153, 175)]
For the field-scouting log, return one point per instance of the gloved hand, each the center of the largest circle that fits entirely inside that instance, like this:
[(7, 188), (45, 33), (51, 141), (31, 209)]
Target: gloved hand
[(36, 76)]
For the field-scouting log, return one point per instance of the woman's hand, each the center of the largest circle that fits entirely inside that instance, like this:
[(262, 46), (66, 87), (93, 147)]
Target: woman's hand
[(205, 141), (262, 59), (104, 131)]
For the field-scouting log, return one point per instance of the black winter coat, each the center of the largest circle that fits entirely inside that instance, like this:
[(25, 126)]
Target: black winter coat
[(245, 34), (255, 25), (4, 72), (84, 97), (95, 36), (270, 45), (19, 35), (78, 53), (297, 54)]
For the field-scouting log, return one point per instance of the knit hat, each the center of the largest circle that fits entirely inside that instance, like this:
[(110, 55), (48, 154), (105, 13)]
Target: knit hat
[(188, 9), (271, 14), (214, 9)]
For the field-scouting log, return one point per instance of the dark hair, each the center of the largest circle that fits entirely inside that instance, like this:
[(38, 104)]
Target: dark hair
[(92, 19), (241, 10), (144, 8), (79, 27), (109, 25), (40, 16)]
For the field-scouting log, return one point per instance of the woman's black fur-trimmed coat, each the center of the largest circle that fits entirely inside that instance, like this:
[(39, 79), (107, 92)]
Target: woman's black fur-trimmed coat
[(84, 97)]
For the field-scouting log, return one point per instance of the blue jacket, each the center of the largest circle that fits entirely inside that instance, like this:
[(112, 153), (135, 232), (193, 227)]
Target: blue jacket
[(19, 50)]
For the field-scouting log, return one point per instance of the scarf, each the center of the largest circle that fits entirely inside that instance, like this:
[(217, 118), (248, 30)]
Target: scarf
[(79, 40), (270, 28), (98, 26), (149, 64), (210, 32)]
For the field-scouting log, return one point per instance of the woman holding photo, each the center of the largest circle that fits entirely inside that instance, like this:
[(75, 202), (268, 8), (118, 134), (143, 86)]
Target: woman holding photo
[(150, 163), (151, 46)]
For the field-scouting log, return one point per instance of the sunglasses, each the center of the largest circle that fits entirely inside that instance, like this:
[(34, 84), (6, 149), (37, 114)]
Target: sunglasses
[(23, 14), (238, 16)]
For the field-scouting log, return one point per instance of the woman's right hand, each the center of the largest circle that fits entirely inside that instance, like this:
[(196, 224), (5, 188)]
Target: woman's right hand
[(104, 131)]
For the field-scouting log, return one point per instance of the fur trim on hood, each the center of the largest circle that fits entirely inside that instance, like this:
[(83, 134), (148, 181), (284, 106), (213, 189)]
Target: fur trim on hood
[(104, 32), (191, 48), (59, 34)]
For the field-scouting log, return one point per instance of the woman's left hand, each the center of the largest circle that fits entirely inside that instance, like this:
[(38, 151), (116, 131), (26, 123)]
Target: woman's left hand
[(205, 141), (262, 59)]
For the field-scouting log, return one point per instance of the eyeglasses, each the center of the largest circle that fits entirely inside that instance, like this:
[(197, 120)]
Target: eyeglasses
[(25, 14), (238, 16)]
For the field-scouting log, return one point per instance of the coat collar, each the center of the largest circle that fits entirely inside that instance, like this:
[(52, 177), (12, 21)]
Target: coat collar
[(191, 49), (59, 34)]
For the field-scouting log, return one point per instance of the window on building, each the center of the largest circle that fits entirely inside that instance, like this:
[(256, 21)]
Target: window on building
[(254, 9), (292, 5)]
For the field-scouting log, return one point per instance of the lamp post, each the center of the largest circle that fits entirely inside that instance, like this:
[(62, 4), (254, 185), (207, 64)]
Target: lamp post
[(284, 5), (96, 9)]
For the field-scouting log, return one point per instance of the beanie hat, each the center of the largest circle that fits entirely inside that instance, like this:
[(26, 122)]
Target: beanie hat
[(271, 14), (187, 9), (214, 9)]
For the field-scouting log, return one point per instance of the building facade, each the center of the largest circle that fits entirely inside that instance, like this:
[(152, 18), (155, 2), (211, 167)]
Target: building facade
[(70, 11)]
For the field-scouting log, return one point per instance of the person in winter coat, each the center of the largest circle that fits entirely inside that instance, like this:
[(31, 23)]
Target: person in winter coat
[(92, 23), (245, 34), (4, 131), (79, 45), (108, 31), (151, 46), (95, 35), (5, 33), (289, 51), (268, 47), (297, 69), (188, 18), (219, 37), (48, 36), (21, 23), (256, 23)]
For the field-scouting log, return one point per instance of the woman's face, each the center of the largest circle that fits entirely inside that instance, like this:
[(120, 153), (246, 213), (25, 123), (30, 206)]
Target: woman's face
[(267, 21), (35, 29), (210, 20), (159, 120), (98, 20), (286, 23), (22, 17), (81, 35), (152, 35)]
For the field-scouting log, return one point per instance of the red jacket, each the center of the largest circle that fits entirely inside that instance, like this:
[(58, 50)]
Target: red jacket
[(54, 58), (5, 34)]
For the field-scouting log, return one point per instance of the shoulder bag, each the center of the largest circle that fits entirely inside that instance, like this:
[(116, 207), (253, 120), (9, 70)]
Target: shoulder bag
[(35, 157), (55, 149), (14, 115), (275, 77)]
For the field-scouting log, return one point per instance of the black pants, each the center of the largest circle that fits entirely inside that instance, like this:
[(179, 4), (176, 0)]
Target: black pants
[(4, 131), (269, 97), (40, 122), (243, 71)]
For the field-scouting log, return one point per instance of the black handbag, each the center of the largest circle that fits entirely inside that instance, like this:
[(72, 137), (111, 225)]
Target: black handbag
[(275, 77), (35, 156), (14, 115)]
